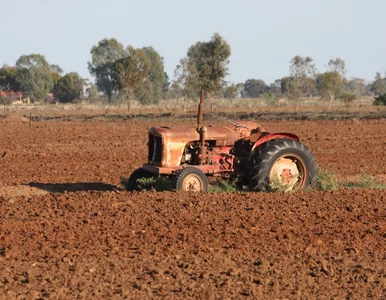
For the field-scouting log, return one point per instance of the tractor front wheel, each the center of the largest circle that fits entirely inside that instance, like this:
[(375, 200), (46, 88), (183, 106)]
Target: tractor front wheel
[(281, 165), (191, 179)]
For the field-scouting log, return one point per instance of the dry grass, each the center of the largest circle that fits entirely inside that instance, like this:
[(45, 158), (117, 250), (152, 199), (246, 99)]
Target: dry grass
[(220, 105)]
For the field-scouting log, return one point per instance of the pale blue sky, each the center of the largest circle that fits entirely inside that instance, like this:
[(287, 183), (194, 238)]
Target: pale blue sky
[(263, 35)]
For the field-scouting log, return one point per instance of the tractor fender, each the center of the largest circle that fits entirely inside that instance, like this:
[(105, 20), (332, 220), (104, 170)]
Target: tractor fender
[(272, 136)]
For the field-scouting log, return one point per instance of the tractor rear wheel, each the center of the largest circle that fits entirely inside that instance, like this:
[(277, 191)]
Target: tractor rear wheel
[(281, 165), (191, 179), (132, 182)]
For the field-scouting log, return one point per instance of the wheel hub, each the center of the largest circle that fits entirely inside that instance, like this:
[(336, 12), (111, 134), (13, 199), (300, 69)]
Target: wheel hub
[(192, 183), (284, 174)]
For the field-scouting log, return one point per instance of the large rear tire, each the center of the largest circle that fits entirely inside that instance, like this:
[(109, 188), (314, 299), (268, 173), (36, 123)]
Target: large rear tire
[(281, 165), (191, 179)]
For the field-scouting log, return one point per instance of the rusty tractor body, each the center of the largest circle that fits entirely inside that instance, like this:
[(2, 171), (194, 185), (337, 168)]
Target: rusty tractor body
[(265, 161)]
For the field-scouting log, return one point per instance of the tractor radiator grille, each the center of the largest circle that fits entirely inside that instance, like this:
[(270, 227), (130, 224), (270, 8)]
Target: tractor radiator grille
[(155, 149)]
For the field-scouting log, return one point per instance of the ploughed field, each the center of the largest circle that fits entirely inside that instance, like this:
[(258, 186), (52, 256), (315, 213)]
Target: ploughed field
[(68, 228)]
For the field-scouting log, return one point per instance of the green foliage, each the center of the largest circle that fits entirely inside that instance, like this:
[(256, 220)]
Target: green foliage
[(146, 183), (337, 65), (379, 85), (241, 90), (8, 79), (185, 80), (327, 181), (329, 85), (255, 87), (230, 91), (347, 98), (270, 98), (102, 65), (211, 61), (159, 184), (56, 69), (34, 76), (56, 72), (355, 86), (301, 82), (157, 74), (132, 73), (380, 100), (223, 185), (275, 88), (92, 93), (69, 87), (365, 181)]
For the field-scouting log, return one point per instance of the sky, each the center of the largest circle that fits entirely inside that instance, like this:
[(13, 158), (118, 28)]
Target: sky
[(264, 35)]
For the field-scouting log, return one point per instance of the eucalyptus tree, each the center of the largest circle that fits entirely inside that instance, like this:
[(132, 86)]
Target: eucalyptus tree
[(102, 66), (211, 60), (301, 81), (185, 80), (378, 87), (330, 83), (56, 73), (34, 76), (8, 79), (255, 87), (69, 87), (132, 74), (157, 73)]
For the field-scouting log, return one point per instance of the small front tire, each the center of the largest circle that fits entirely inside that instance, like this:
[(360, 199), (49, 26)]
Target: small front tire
[(191, 179)]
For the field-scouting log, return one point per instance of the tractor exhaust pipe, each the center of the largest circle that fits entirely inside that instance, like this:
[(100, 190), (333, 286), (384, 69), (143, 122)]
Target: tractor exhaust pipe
[(202, 131), (200, 110)]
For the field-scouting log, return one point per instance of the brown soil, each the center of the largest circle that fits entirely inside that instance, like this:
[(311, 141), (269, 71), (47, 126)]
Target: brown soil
[(68, 229)]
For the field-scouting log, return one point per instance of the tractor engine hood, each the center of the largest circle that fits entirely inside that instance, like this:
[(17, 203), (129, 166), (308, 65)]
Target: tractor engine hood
[(224, 135), (166, 144)]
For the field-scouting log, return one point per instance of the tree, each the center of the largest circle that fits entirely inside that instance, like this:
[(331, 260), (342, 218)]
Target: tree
[(8, 79), (211, 60), (356, 86), (347, 98), (275, 88), (56, 72), (157, 73), (69, 87), (132, 73), (102, 65), (301, 82), (92, 92), (230, 91), (255, 87), (270, 98), (185, 80), (56, 69), (34, 76), (379, 85), (240, 90), (329, 85), (337, 65), (380, 100)]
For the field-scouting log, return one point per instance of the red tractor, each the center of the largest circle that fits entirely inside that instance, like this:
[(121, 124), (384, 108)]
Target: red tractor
[(264, 161)]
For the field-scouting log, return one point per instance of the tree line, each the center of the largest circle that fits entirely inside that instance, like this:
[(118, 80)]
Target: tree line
[(138, 73)]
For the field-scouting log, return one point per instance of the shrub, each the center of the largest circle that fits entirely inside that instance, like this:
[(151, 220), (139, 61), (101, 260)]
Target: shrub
[(365, 181), (380, 100), (348, 98), (224, 185), (326, 181)]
